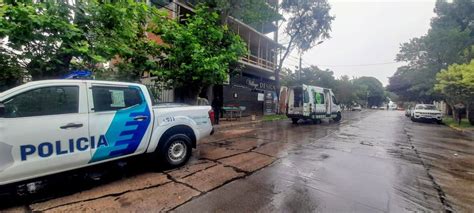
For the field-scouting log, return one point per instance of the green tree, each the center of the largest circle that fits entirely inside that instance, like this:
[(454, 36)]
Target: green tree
[(310, 76), (345, 91), (11, 73), (370, 89), (308, 22), (457, 84), (43, 35), (450, 40), (251, 12), (54, 37), (197, 53)]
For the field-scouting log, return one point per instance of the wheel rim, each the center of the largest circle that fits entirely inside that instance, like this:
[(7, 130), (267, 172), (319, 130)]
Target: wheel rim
[(177, 151)]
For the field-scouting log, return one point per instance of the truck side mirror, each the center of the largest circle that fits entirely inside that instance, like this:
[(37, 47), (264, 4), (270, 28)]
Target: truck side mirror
[(2, 110)]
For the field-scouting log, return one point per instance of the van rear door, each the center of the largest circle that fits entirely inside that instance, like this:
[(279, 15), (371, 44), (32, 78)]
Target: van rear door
[(328, 97), (295, 101), (306, 101)]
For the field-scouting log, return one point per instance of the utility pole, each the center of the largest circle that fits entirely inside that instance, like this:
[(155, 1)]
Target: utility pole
[(299, 68)]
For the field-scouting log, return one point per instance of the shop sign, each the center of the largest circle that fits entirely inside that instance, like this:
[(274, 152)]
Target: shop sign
[(253, 83)]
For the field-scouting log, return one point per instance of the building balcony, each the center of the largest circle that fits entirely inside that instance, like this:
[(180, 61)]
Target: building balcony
[(257, 62), (262, 49)]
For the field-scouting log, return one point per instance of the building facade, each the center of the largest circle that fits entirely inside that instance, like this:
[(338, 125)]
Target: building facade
[(253, 86)]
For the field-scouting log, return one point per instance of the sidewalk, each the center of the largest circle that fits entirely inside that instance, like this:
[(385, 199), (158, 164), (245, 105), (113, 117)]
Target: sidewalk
[(467, 131), (464, 128), (227, 123)]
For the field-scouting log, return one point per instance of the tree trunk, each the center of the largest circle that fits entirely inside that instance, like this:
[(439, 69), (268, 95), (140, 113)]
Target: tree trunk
[(187, 95), (453, 110), (470, 113)]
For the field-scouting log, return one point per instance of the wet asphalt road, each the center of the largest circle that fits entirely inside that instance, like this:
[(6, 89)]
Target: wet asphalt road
[(369, 163), (372, 161)]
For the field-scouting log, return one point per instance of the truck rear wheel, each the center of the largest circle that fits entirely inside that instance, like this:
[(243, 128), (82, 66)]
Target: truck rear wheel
[(176, 151), (294, 120)]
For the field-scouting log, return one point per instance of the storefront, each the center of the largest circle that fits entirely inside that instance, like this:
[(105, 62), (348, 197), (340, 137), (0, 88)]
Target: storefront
[(256, 95)]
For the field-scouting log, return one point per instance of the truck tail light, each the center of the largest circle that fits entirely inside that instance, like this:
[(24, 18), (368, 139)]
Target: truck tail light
[(211, 116)]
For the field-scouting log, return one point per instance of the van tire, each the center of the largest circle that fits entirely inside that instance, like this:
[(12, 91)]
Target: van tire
[(338, 117), (295, 120), (176, 151)]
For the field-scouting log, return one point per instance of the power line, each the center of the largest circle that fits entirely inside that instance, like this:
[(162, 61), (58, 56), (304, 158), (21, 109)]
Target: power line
[(357, 65)]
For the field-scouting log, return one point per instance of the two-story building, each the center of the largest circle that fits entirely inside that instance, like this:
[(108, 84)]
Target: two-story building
[(253, 87)]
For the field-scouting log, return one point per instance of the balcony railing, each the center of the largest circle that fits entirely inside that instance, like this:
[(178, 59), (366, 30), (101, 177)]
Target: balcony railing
[(251, 59)]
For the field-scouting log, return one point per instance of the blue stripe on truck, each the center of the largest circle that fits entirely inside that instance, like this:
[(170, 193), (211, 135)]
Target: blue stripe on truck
[(124, 133)]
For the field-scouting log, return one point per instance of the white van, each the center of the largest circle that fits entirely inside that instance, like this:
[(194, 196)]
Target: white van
[(311, 102)]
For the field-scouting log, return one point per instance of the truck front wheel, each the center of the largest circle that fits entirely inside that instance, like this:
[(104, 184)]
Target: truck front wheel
[(176, 151), (338, 117)]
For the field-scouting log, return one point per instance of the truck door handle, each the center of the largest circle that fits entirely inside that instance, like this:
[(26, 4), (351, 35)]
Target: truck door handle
[(140, 118), (71, 126)]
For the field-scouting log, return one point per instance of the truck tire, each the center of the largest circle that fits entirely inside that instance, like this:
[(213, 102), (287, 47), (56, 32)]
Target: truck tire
[(338, 117), (294, 120), (176, 151)]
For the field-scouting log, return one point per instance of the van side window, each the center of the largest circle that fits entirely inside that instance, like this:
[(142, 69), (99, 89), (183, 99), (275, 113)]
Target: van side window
[(43, 101), (115, 98), (334, 101), (319, 98)]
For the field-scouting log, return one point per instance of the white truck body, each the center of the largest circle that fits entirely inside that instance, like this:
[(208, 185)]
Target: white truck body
[(52, 126), (311, 102)]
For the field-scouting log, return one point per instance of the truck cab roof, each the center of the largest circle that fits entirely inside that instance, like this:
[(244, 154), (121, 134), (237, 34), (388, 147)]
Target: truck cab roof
[(62, 81)]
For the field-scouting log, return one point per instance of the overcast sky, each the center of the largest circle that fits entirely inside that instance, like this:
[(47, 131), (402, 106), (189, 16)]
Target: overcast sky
[(368, 32)]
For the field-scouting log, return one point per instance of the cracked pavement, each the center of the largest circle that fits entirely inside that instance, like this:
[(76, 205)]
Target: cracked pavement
[(373, 161)]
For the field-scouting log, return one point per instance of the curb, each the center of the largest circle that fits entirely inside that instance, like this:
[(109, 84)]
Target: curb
[(467, 132), (218, 127)]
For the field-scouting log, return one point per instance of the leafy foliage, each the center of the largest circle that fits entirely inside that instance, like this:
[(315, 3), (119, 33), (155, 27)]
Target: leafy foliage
[(348, 91), (199, 52), (50, 38), (10, 73), (251, 12), (371, 89), (450, 40), (309, 21), (457, 82)]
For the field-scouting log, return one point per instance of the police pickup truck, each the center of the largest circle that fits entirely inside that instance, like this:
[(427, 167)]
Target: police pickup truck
[(52, 126)]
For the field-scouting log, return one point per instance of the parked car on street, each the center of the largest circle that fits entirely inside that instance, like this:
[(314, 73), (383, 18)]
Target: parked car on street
[(426, 112), (311, 102), (52, 126), (408, 111), (357, 107)]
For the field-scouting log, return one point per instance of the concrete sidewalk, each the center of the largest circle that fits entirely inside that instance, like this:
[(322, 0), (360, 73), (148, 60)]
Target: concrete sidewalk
[(225, 123)]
